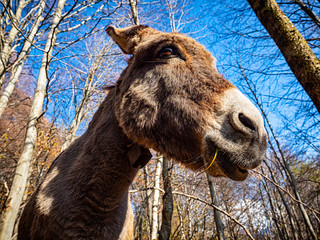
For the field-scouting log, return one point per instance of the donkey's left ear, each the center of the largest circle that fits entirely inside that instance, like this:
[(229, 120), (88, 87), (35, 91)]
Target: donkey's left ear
[(127, 38)]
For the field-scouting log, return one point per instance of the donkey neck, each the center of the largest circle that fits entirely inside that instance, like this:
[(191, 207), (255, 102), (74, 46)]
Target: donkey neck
[(105, 159)]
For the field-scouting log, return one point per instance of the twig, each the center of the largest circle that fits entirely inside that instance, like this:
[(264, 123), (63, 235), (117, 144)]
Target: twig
[(217, 208), (290, 195)]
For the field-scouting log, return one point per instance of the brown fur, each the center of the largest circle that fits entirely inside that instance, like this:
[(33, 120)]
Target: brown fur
[(180, 106)]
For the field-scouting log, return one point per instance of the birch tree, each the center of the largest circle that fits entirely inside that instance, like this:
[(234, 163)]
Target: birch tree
[(23, 165), (19, 63), (156, 195), (134, 11), (7, 41)]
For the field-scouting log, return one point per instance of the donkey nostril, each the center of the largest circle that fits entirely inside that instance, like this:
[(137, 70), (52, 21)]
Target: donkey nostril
[(246, 121)]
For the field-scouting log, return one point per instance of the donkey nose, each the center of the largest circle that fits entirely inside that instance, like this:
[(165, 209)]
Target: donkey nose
[(246, 122), (243, 116)]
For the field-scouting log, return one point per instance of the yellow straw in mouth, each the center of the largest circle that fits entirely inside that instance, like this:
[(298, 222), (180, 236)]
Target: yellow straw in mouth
[(214, 158)]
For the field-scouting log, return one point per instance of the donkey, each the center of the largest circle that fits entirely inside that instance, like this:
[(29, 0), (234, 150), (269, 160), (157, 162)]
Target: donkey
[(170, 98)]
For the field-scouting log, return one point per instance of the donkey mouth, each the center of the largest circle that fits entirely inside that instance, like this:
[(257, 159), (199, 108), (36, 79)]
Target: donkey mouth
[(231, 169), (233, 166), (242, 170)]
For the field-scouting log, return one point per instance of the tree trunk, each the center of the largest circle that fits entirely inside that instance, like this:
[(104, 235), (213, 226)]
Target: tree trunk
[(284, 201), (275, 217), (156, 194), (17, 68), (7, 46), (134, 11), (219, 223), (8, 90), (295, 49), (182, 235), (167, 211), (148, 199), (23, 165), (204, 226)]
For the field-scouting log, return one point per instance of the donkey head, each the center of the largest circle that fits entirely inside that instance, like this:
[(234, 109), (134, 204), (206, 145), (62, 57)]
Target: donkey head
[(172, 99)]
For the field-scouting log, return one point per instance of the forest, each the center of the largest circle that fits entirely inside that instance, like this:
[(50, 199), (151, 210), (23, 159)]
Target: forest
[(57, 64)]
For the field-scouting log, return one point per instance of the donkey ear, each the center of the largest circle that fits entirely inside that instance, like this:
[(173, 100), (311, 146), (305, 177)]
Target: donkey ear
[(126, 38)]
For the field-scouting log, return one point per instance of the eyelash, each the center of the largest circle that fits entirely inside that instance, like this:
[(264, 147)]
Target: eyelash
[(174, 53)]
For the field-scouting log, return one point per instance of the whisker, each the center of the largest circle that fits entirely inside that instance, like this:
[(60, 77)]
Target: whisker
[(146, 61), (192, 159)]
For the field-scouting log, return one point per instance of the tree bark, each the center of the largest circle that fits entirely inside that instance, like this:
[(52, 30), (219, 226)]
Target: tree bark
[(9, 39), (148, 199), (23, 165), (134, 11), (17, 68), (181, 231), (295, 49), (219, 223), (167, 211), (156, 194)]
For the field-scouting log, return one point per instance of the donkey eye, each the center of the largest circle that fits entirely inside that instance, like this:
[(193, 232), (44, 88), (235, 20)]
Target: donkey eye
[(170, 52), (166, 52)]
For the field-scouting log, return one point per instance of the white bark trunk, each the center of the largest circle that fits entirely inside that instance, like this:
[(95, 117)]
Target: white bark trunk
[(134, 10), (156, 195), (148, 198), (16, 70), (22, 169), (5, 52), (7, 92)]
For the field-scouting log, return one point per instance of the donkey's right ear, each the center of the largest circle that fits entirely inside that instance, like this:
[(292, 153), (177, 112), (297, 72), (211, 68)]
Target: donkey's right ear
[(126, 38)]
